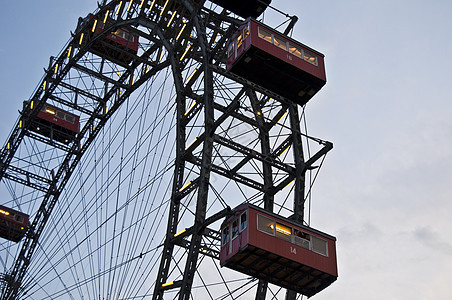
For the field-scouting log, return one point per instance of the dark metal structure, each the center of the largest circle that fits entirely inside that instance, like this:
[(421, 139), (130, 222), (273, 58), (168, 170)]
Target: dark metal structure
[(244, 9), (230, 134)]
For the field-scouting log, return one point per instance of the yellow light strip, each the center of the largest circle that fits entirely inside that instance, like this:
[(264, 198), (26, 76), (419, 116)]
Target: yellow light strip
[(171, 19), (44, 85), (8, 146), (130, 4), (180, 32), (6, 213), (287, 148), (141, 4), (152, 5), (56, 69), (186, 113), (216, 36), (164, 7), (282, 230), (94, 25), (288, 184), (31, 104), (81, 38), (119, 8), (167, 284), (69, 52), (191, 144), (185, 53), (185, 186), (180, 232), (191, 76), (285, 113), (20, 123), (106, 16)]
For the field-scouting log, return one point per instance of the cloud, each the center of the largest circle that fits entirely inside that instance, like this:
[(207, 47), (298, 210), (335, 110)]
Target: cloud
[(430, 238), (365, 231)]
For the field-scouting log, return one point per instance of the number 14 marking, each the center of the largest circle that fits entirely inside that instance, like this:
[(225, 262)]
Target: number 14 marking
[(293, 250)]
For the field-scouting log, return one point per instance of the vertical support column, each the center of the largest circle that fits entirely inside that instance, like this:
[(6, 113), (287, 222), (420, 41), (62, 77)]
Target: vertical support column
[(291, 295), (264, 137), (206, 166), (299, 191), (267, 172), (261, 290)]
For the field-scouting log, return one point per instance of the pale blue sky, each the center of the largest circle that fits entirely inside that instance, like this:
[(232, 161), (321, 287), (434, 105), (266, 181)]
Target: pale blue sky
[(384, 190)]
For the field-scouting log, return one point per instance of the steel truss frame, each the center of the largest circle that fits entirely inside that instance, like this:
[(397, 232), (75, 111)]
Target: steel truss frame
[(212, 30)]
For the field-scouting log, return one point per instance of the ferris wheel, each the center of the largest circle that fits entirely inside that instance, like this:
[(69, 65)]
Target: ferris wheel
[(164, 155)]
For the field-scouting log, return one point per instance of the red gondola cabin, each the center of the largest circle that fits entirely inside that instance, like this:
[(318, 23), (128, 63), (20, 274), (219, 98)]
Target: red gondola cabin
[(245, 9), (276, 62), (55, 123), (117, 45), (13, 224), (267, 246)]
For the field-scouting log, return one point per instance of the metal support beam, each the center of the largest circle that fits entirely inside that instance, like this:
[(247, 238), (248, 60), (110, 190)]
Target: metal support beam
[(299, 192), (206, 164)]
